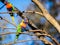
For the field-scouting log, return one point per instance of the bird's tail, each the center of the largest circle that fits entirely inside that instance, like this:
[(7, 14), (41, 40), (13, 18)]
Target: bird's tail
[(12, 17)]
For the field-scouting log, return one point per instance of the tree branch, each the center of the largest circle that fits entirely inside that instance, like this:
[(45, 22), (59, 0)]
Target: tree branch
[(34, 12), (21, 41), (45, 41), (47, 15), (49, 36), (21, 12)]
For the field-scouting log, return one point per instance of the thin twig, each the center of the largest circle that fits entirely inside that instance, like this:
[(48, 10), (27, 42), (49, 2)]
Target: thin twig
[(12, 33), (45, 41), (4, 27), (34, 12), (21, 41), (9, 22)]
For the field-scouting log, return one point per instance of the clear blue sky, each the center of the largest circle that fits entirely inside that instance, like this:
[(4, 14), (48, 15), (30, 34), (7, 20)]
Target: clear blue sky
[(21, 4)]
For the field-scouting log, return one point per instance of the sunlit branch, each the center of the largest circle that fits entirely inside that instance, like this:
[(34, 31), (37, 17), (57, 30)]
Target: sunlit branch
[(47, 15), (34, 12)]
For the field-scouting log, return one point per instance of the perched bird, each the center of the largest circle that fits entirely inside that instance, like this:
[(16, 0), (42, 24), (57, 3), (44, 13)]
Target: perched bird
[(21, 27), (10, 7)]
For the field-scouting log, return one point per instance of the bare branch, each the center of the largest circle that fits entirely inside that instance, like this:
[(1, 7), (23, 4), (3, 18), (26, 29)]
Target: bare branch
[(34, 12), (45, 41), (47, 15), (12, 33), (49, 36), (24, 12)]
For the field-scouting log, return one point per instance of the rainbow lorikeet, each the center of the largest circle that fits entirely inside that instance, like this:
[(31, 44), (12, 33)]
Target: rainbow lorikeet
[(10, 7), (21, 27)]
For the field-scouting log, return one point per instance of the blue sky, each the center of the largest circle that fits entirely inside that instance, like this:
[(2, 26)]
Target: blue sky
[(21, 4)]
